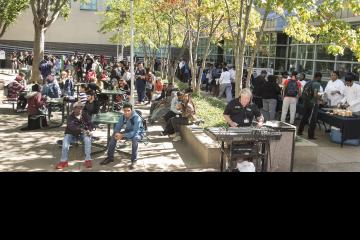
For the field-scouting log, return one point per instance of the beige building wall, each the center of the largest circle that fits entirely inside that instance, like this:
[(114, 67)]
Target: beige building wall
[(81, 27)]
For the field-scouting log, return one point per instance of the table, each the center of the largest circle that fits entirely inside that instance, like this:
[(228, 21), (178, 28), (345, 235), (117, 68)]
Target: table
[(349, 126), (57, 102), (109, 118), (112, 93)]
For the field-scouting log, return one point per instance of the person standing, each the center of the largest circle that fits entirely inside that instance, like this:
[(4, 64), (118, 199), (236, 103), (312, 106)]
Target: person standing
[(225, 85), (291, 93), (270, 92), (140, 76), (311, 106), (335, 89)]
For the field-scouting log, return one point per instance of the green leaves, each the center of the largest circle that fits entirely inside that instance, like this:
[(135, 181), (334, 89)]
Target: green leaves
[(324, 23), (9, 10)]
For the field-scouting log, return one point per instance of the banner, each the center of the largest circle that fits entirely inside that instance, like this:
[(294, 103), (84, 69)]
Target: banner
[(2, 55)]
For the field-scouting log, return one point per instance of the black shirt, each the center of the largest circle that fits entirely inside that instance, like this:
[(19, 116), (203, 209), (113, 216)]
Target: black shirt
[(239, 114)]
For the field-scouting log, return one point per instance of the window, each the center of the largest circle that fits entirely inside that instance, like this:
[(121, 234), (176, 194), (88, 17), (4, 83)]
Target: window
[(348, 56), (306, 52), (325, 68), (280, 65), (91, 5), (293, 51), (305, 67), (322, 53)]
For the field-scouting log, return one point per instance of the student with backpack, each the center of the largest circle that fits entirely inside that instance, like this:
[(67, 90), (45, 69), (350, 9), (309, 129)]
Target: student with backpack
[(291, 93), (311, 105), (134, 131)]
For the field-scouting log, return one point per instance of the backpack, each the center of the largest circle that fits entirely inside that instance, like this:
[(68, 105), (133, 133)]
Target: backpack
[(6, 90), (292, 89), (308, 91), (53, 93)]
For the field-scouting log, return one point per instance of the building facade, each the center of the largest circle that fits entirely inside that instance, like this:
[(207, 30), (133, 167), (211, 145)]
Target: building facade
[(283, 53), (79, 33)]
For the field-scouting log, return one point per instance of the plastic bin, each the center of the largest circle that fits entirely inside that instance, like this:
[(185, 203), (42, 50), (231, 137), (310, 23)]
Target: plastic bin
[(335, 136)]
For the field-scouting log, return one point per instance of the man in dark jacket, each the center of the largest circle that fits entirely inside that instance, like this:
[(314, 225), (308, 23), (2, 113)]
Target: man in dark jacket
[(92, 105), (79, 127)]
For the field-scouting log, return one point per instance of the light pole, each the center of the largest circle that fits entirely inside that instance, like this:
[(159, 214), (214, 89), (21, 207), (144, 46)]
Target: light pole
[(117, 46), (132, 51), (122, 21)]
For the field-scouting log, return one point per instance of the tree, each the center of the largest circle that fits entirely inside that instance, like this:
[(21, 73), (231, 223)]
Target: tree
[(203, 19), (9, 10), (156, 25), (239, 24), (45, 13), (311, 22)]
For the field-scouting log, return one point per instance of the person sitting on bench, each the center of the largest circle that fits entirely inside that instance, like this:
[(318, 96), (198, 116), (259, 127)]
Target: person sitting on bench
[(134, 131), (35, 100), (78, 127)]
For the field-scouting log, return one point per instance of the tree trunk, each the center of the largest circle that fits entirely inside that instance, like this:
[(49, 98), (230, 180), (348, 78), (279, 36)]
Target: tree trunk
[(38, 51), (241, 50), (256, 49)]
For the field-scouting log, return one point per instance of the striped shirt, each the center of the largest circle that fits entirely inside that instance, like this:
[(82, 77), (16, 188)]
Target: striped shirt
[(83, 97)]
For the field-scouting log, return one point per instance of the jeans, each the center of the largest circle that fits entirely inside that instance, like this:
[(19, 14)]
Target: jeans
[(134, 147), (269, 109), (226, 87), (70, 139), (140, 87), (289, 102)]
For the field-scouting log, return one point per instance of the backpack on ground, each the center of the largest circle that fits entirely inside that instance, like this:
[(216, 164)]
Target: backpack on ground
[(292, 89), (308, 91)]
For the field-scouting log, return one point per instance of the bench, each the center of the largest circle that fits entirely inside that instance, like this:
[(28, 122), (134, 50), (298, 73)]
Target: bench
[(12, 101), (206, 149)]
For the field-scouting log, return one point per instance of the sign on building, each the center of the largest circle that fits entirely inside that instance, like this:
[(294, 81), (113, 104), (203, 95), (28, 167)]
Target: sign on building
[(2, 55)]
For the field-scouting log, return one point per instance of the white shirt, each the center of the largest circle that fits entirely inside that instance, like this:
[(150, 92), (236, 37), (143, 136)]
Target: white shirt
[(352, 97), (332, 86), (174, 103), (225, 78), (232, 75)]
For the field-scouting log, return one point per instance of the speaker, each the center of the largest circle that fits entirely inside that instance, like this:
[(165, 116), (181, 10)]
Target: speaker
[(281, 157)]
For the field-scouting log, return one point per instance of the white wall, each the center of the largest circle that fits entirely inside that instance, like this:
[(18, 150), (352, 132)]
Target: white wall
[(81, 27)]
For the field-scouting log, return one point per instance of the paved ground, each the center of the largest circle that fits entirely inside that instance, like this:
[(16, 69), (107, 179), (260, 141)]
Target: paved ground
[(37, 150)]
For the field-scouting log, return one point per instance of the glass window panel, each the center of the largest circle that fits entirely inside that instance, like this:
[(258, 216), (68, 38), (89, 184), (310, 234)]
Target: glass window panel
[(343, 69), (325, 68), (281, 51), (272, 51), (271, 63), (273, 38), (348, 56), (90, 5), (293, 50), (310, 52), (280, 66), (356, 70), (306, 52), (292, 66), (264, 51), (322, 54), (305, 66), (265, 38), (263, 62)]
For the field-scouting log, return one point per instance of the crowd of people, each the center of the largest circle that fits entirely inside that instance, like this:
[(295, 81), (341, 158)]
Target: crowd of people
[(267, 96)]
